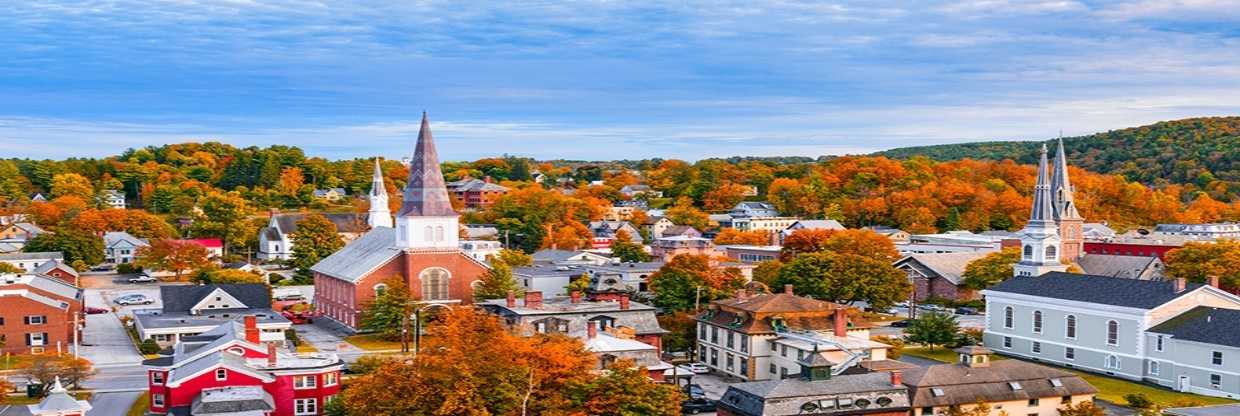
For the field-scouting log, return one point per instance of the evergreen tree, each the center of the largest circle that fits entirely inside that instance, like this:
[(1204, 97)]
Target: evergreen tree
[(933, 328), (316, 238), (496, 283), (386, 314), (627, 250)]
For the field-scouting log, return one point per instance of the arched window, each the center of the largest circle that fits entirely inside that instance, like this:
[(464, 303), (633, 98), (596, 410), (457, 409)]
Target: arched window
[(1007, 317), (1050, 252), (380, 289), (1112, 362), (1037, 322), (428, 233), (1028, 252), (439, 233), (1070, 326), (434, 284), (1112, 333)]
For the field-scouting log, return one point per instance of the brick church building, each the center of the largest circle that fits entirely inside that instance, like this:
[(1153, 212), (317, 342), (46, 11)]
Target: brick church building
[(422, 248)]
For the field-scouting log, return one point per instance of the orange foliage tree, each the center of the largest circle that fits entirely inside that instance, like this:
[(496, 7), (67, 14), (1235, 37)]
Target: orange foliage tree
[(751, 237), (860, 242)]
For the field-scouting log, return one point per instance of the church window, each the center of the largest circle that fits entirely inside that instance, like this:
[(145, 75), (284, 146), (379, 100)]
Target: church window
[(1050, 252), (1028, 252), (434, 284), (439, 233), (429, 234)]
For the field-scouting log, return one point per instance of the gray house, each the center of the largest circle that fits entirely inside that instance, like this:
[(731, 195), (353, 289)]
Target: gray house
[(1112, 325)]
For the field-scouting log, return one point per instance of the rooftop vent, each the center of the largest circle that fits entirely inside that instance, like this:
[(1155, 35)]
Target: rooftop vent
[(1015, 385), (937, 392), (1056, 382)]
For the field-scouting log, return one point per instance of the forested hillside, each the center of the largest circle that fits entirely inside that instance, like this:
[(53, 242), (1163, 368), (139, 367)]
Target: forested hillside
[(1201, 153)]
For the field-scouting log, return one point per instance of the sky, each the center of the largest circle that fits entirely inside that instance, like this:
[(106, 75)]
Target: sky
[(603, 80)]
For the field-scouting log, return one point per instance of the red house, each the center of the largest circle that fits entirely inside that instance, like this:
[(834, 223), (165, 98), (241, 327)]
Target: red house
[(423, 249), (228, 370)]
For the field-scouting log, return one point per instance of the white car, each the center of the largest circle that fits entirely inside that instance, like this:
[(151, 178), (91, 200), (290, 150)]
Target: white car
[(698, 368), (142, 279), (133, 299)]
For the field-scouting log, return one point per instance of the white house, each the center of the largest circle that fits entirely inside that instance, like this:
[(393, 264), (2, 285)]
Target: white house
[(120, 247)]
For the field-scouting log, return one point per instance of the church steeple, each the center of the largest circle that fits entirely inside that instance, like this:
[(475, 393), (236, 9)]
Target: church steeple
[(426, 219), (1043, 214), (1061, 187), (1040, 241), (379, 216)]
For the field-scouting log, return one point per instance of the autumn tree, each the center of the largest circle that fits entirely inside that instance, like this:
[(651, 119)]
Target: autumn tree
[(514, 258), (9, 268), (496, 283), (1197, 261), (45, 368), (176, 256), (1084, 408), (724, 197), (136, 222), (692, 278), (316, 238), (766, 272), (385, 315), (224, 215), (291, 180), (534, 218), (625, 390), (991, 269), (72, 184), (732, 236), (861, 242), (233, 276), (981, 408), (681, 331), (77, 246), (684, 213), (626, 250), (845, 278), (579, 284)]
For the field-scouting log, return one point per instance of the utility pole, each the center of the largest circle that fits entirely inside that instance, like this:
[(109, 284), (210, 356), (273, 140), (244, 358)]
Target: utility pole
[(76, 329), (697, 299)]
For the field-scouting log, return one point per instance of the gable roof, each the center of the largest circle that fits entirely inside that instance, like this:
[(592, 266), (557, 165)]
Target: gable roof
[(29, 228), (961, 384), (949, 266), (345, 222), (112, 238), (816, 225), (1204, 324), (676, 230), (425, 192), (42, 255), (776, 303), (1105, 290), (48, 266), (474, 185), (182, 298), (360, 256), (1114, 265)]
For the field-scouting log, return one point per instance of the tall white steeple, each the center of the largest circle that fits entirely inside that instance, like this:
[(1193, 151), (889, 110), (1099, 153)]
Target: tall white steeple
[(379, 215), (1040, 241), (426, 219)]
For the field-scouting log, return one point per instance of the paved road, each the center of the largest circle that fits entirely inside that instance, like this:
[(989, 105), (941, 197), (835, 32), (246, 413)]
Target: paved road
[(112, 404), (15, 410), (326, 338), (104, 341)]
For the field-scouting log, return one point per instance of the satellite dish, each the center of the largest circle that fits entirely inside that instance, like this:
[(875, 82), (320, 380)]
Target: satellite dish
[(1143, 231)]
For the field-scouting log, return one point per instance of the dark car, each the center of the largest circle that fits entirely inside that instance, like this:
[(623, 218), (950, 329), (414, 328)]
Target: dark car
[(91, 310), (695, 391), (965, 310), (698, 405), (901, 324)]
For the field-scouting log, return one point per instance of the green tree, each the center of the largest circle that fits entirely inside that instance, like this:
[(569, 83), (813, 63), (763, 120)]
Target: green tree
[(386, 314), (681, 331), (579, 284), (316, 238), (6, 268), (679, 283), (230, 276), (496, 283), (933, 328), (625, 390), (1198, 261), (766, 272), (627, 250), (514, 258), (991, 269), (845, 278), (1085, 408), (75, 245), (224, 216)]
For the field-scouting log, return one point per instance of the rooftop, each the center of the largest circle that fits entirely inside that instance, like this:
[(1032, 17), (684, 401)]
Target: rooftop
[(1105, 290), (1204, 324), (1006, 380)]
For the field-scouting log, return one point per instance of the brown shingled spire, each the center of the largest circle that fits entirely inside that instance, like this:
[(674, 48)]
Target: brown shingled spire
[(425, 193)]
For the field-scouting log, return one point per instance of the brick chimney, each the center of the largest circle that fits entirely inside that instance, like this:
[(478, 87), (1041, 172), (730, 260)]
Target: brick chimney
[(1180, 284), (1214, 282), (533, 300), (575, 296), (512, 299), (591, 330), (841, 322), (487, 179), (740, 294), (788, 289), (624, 302), (251, 329), (897, 378), (271, 354)]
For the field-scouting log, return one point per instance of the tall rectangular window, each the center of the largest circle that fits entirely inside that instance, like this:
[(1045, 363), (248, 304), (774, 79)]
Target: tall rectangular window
[(1158, 343), (1007, 317), (1217, 358), (1069, 353), (305, 407), (1037, 322), (1007, 342)]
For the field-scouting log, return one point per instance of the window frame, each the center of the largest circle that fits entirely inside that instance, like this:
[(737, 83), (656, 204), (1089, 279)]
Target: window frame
[(306, 406), (1069, 329), (1216, 357), (1112, 333), (1037, 322), (300, 383), (221, 374), (1009, 320)]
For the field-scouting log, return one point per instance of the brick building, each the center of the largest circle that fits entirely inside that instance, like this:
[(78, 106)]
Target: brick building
[(423, 248), (228, 370), (473, 194), (38, 313), (938, 275)]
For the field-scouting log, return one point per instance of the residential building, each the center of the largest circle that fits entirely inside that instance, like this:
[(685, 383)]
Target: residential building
[(814, 390), (574, 315), (59, 403), (1113, 326), (896, 235), (378, 214), (230, 370), (474, 194), (330, 194), (568, 257), (1141, 247), (59, 270), (1097, 231), (423, 248), (1009, 387), (753, 209), (832, 225), (38, 314), (113, 199), (751, 254), (760, 337), (680, 231), (214, 246), (547, 278), (656, 224), (618, 343), (31, 261), (939, 275), (120, 247), (910, 248), (772, 225), (20, 232), (192, 310), (754, 215), (1197, 351), (620, 212), (275, 241), (481, 232), (637, 191), (481, 250), (38, 197), (1130, 267), (666, 248), (605, 232), (621, 277), (1209, 231)]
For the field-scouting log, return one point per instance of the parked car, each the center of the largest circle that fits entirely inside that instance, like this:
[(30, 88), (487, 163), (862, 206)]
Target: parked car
[(698, 368), (102, 268), (289, 296), (143, 278), (965, 310), (133, 299), (698, 405), (901, 324), (694, 391), (91, 310), (932, 308)]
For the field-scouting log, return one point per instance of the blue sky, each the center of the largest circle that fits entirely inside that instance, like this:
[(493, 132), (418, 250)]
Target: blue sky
[(604, 79)]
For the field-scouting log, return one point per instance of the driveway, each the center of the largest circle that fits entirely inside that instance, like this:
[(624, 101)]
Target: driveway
[(104, 341), (112, 404), (329, 339)]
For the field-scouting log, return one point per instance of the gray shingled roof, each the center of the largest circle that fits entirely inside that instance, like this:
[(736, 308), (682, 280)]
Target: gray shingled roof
[(1204, 324), (233, 401), (47, 266), (368, 252), (1116, 291), (961, 384), (949, 266), (786, 396), (1114, 265), (42, 255), (181, 298), (425, 192)]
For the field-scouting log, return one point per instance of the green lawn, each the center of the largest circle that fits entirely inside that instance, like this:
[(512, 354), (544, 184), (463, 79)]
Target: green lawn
[(1109, 388), (371, 342), (139, 406), (10, 361)]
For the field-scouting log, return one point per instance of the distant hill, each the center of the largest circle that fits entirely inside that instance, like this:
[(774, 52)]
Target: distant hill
[(1201, 153)]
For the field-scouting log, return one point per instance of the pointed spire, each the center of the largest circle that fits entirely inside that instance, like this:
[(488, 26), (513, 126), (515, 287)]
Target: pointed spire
[(1061, 186), (58, 388), (376, 183), (1043, 212), (425, 194)]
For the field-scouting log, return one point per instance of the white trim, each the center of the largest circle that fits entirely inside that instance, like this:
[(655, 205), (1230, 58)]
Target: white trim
[(225, 297), (1037, 321), (1075, 328), (1077, 347), (1108, 333), (1073, 306)]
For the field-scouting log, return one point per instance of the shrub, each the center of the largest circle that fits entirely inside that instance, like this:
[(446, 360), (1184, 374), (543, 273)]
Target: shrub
[(148, 346), (291, 335), (897, 346), (127, 268), (1138, 401)]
